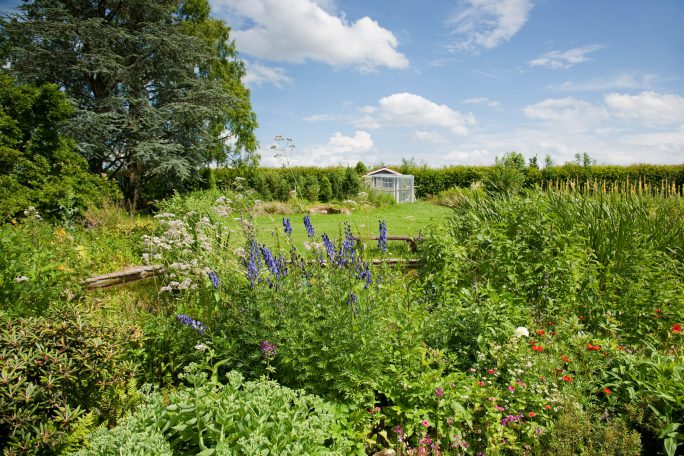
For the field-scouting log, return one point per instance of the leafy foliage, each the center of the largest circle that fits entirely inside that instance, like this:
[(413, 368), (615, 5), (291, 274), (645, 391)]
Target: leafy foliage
[(144, 114), (235, 418), (39, 167), (54, 369)]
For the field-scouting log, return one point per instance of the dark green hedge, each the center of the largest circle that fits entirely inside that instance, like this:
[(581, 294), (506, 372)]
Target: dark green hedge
[(276, 183)]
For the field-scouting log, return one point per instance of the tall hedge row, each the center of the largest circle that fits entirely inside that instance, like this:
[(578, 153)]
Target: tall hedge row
[(276, 183)]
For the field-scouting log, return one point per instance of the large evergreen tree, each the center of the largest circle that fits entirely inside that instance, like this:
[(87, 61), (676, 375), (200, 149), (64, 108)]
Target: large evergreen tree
[(156, 84)]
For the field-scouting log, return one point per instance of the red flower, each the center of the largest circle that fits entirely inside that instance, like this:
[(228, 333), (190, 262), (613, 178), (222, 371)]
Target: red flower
[(677, 328), (481, 383), (567, 378), (491, 371), (565, 359), (608, 391), (658, 311), (591, 347), (540, 332), (531, 414), (547, 407), (537, 348)]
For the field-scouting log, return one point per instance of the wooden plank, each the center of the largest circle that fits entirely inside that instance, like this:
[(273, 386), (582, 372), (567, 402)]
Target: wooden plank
[(122, 277)]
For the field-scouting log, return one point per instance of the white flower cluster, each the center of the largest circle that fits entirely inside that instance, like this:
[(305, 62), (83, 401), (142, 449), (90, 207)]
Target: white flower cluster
[(521, 331), (223, 206), (186, 284), (184, 246), (32, 213)]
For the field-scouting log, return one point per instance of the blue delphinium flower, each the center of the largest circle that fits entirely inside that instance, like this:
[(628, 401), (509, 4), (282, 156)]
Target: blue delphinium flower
[(329, 247), (253, 262), (382, 238), (309, 227), (269, 260), (352, 301), (215, 281), (287, 226), (366, 274), (349, 241), (194, 324)]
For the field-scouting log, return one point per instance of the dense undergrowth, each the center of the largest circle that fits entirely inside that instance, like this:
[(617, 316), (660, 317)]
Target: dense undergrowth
[(539, 323)]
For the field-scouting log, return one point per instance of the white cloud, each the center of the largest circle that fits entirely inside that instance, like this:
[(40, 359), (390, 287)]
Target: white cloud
[(258, 74), (340, 149), (488, 23), (410, 110), (302, 30), (649, 108), (430, 137), (470, 157), (360, 142), (574, 114), (483, 101), (319, 118), (565, 59), (621, 81)]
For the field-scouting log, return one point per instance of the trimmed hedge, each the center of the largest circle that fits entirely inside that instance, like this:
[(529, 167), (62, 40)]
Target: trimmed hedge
[(276, 183)]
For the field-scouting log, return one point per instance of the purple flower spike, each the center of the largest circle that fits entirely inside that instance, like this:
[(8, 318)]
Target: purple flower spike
[(215, 281), (382, 238), (309, 227), (287, 226)]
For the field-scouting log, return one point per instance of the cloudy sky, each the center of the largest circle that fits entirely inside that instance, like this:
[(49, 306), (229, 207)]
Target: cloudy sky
[(461, 81)]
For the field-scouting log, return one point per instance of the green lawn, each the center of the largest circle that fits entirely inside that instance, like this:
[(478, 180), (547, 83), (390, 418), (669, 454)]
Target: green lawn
[(401, 219)]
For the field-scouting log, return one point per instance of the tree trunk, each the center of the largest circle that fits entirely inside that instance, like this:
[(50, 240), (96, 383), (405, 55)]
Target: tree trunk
[(132, 185)]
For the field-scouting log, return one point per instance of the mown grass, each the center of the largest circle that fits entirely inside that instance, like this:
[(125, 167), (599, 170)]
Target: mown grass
[(402, 220)]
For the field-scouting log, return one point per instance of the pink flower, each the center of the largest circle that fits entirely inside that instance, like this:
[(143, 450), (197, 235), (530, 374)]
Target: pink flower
[(511, 389), (481, 383), (439, 392), (425, 423)]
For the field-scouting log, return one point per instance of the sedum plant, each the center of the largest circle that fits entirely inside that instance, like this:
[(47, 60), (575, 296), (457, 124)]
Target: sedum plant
[(234, 418)]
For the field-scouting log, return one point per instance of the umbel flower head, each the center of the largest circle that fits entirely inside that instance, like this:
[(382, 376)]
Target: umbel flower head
[(268, 350), (521, 331)]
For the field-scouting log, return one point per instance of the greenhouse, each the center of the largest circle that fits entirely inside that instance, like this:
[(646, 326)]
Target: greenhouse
[(398, 185)]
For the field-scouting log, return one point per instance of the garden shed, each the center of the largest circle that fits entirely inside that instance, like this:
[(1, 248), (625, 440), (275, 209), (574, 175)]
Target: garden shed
[(398, 185)]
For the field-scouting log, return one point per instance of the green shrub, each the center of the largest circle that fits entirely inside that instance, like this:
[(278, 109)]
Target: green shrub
[(235, 418), (310, 189), (34, 269), (508, 175), (580, 432), (326, 192), (55, 369), (38, 166)]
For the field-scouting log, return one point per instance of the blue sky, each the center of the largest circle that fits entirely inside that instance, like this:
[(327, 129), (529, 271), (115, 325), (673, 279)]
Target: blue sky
[(453, 82)]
